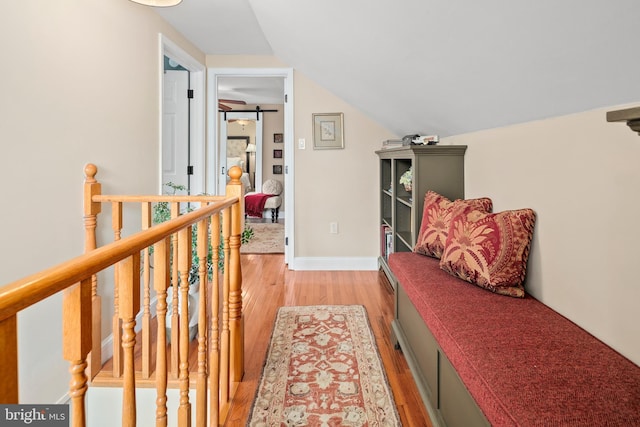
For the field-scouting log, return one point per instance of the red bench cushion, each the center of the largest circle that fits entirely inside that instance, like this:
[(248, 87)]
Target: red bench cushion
[(523, 363)]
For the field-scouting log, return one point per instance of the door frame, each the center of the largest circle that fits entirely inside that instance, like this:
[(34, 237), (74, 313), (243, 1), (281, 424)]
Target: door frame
[(213, 74), (196, 107)]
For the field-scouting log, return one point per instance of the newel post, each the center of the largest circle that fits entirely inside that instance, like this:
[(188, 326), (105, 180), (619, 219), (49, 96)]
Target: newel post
[(91, 211), (236, 323)]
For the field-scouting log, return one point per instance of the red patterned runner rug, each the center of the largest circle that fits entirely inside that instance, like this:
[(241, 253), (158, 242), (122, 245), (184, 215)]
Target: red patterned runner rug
[(323, 369)]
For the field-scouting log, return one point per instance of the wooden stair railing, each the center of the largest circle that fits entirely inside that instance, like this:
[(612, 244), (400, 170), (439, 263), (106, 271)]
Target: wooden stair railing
[(220, 344)]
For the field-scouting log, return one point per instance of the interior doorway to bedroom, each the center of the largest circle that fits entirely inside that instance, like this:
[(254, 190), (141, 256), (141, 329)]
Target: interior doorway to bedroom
[(278, 148)]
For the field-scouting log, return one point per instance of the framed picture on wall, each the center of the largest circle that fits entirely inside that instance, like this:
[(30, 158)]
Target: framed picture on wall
[(328, 131), (277, 169), (278, 137), (277, 154)]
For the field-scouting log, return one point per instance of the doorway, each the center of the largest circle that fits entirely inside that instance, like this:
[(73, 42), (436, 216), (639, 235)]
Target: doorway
[(182, 140), (287, 167), (175, 125)]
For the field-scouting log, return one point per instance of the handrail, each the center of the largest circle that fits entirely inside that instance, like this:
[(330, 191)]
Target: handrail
[(154, 199), (77, 278), (22, 293)]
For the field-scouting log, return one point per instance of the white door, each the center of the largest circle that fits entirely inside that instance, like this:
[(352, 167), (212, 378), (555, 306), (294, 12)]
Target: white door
[(175, 128)]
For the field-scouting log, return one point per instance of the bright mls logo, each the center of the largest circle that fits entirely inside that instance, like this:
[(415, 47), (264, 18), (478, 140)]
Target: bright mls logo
[(34, 415)]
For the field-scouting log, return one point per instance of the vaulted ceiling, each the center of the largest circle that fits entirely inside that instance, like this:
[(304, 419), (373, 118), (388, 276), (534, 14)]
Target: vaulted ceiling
[(437, 66)]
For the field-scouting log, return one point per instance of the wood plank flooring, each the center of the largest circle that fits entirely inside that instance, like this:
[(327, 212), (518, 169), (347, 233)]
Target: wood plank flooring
[(268, 285)]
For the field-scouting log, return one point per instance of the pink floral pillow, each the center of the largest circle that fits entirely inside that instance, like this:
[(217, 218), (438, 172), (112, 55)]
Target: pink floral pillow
[(490, 250), (436, 218)]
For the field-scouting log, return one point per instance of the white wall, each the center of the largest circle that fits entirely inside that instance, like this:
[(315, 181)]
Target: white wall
[(79, 84), (330, 185), (581, 176), (336, 185)]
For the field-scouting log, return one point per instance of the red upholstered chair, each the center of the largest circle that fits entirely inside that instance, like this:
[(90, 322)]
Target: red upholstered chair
[(270, 196)]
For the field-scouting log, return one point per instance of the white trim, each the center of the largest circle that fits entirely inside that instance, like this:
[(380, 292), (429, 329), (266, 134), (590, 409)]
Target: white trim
[(329, 263), (212, 140), (289, 172), (64, 400), (197, 115)]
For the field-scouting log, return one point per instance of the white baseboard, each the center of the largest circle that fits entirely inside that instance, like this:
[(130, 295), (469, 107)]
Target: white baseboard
[(331, 263), (104, 406), (64, 400)]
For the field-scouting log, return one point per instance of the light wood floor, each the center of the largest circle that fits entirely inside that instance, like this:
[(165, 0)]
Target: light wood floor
[(268, 285)]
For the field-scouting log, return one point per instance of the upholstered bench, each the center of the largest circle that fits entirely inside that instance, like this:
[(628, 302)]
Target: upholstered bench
[(482, 358), (269, 199), (485, 359)]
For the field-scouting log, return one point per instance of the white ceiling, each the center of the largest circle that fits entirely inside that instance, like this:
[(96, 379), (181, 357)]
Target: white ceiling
[(437, 66), (252, 90)]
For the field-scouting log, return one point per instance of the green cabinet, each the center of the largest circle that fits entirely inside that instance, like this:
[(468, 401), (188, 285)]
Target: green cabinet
[(434, 167)]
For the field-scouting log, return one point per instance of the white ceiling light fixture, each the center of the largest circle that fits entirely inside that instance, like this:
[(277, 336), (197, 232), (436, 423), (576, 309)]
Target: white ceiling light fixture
[(158, 3)]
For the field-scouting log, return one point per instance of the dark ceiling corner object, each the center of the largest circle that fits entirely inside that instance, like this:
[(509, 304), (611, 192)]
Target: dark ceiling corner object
[(629, 115)]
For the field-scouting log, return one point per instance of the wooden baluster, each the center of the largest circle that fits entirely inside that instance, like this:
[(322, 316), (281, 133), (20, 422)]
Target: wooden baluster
[(9, 360), (224, 335), (76, 327), (116, 225), (214, 354), (146, 313), (91, 211), (129, 287), (201, 381), (175, 318), (236, 323), (161, 279), (184, 266)]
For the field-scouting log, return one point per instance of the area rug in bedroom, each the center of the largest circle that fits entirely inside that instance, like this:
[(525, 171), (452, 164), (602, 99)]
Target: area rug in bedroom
[(268, 238), (323, 369)]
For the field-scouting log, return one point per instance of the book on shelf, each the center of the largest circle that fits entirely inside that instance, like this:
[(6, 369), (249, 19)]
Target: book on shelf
[(386, 241)]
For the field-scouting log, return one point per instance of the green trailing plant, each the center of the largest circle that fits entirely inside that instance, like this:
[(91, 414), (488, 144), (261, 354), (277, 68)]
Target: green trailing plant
[(162, 213)]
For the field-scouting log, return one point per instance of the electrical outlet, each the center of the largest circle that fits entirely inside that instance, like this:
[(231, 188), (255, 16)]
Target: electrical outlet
[(301, 143), (333, 228)]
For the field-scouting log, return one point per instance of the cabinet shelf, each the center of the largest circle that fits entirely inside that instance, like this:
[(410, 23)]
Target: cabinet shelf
[(435, 167), (408, 201), (405, 238)]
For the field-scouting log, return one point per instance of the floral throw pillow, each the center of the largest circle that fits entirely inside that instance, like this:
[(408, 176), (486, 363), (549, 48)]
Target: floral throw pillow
[(436, 218), (490, 249)]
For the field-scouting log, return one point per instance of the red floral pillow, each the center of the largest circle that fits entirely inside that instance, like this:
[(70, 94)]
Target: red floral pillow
[(490, 250), (436, 218)]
